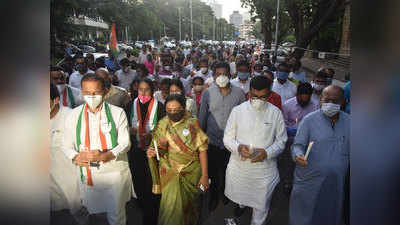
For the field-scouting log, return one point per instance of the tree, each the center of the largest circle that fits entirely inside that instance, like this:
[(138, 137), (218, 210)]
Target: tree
[(308, 18)]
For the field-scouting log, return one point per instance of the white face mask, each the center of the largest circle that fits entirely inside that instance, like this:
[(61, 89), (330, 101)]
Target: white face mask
[(222, 81), (93, 100), (256, 73), (203, 69), (330, 109), (166, 68), (198, 87), (61, 88), (258, 104), (317, 87)]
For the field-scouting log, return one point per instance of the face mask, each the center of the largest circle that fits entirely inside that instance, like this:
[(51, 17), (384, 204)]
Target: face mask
[(198, 87), (144, 99), (258, 104), (330, 109), (282, 75), (243, 76), (61, 88), (175, 117), (222, 81), (203, 69), (93, 100), (328, 81), (317, 87), (256, 73), (166, 68)]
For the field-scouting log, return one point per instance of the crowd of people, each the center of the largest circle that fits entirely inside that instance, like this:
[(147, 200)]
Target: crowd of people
[(165, 127)]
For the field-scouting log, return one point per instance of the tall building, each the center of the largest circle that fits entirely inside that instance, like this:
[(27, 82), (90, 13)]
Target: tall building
[(217, 8), (245, 30), (236, 19), (246, 17)]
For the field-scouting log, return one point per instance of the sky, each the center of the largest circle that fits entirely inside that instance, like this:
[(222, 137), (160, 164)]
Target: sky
[(228, 6)]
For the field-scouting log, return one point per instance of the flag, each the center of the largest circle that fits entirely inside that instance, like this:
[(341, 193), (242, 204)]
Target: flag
[(113, 41)]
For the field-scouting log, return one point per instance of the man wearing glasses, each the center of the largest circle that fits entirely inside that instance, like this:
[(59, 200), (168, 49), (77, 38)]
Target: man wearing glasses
[(255, 135)]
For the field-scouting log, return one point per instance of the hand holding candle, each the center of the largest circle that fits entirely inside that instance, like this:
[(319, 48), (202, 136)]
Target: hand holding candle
[(308, 150), (156, 149)]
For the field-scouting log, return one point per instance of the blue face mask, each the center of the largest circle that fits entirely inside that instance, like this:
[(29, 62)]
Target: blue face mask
[(328, 81), (243, 76), (283, 75)]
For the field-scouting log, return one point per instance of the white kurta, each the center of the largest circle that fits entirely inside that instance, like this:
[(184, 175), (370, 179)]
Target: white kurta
[(112, 181), (251, 184), (64, 186)]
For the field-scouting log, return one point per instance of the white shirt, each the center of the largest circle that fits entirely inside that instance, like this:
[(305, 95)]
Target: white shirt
[(76, 77), (232, 66), (125, 79), (64, 187), (244, 86), (112, 181), (142, 57), (158, 96), (286, 91), (251, 184)]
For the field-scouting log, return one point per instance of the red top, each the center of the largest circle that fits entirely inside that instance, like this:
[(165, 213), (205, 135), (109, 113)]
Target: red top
[(275, 99)]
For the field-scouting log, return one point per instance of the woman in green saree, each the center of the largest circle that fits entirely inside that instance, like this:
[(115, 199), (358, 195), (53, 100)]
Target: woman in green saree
[(182, 171)]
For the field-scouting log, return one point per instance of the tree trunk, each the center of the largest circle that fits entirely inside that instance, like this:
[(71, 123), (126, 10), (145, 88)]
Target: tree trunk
[(266, 30)]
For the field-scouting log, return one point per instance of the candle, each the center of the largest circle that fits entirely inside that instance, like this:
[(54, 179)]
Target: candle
[(308, 150), (156, 149)]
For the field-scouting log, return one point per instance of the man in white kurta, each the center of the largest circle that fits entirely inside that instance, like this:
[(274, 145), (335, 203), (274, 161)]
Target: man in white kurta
[(64, 186), (255, 134), (108, 187)]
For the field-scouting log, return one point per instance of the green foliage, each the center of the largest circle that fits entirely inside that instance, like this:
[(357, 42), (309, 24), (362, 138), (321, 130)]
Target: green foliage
[(144, 19)]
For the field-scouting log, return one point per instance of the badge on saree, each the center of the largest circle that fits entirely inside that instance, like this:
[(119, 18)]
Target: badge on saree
[(185, 132)]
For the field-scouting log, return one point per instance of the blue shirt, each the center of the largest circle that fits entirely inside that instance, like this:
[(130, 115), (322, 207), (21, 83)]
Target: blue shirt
[(110, 64)]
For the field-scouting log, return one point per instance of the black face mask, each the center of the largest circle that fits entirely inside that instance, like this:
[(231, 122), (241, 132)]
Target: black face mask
[(175, 117)]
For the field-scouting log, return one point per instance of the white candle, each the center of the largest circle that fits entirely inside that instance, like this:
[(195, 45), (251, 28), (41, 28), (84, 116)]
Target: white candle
[(308, 150), (156, 149)]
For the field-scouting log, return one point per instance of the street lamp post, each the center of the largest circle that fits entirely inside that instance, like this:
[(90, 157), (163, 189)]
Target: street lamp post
[(276, 28), (191, 19), (180, 26)]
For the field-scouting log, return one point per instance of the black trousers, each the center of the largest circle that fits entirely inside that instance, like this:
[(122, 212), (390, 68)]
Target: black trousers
[(286, 165), (217, 162), (142, 182)]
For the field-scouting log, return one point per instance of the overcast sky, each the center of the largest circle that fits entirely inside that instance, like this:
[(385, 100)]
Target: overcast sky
[(228, 6)]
